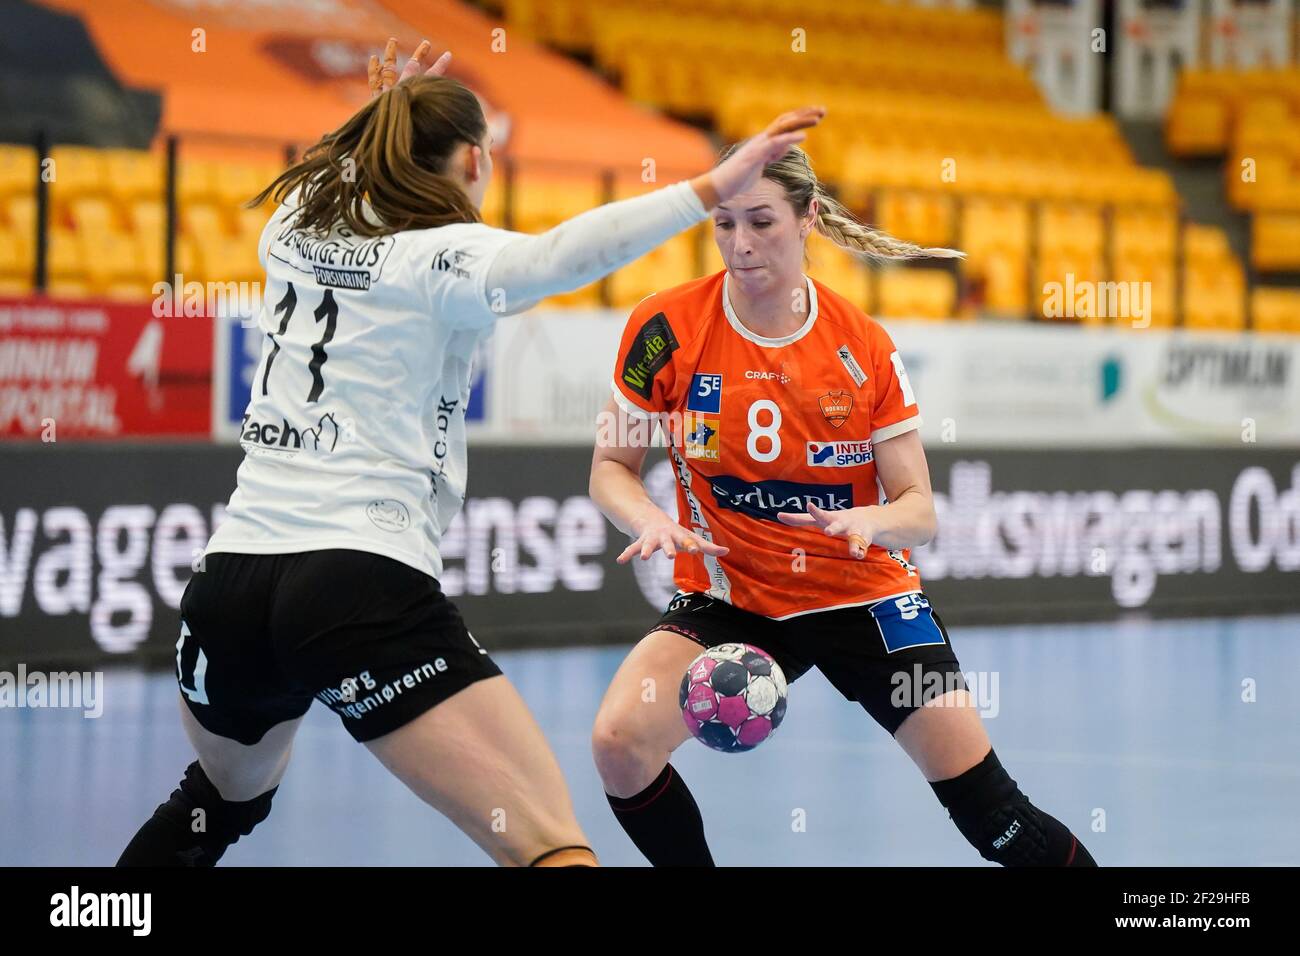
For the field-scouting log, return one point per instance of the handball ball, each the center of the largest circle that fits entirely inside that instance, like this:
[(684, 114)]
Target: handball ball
[(733, 697)]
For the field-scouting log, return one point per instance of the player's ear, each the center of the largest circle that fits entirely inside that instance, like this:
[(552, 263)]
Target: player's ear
[(809, 221), (474, 163)]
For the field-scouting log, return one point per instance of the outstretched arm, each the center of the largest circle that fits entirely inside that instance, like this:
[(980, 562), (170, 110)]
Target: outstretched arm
[(597, 242)]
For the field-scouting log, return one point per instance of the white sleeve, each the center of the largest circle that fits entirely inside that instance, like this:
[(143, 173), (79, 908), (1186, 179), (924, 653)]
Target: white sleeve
[(591, 245), (452, 264), (475, 274)]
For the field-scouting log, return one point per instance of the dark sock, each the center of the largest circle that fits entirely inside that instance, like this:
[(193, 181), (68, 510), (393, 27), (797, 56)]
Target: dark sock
[(999, 821), (196, 826), (664, 822)]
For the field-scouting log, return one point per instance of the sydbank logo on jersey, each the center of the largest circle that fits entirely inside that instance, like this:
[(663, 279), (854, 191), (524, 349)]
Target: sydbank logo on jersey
[(764, 500), (839, 454)]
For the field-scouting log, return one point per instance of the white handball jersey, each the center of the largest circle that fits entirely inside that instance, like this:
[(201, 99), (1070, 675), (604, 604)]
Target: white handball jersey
[(354, 435)]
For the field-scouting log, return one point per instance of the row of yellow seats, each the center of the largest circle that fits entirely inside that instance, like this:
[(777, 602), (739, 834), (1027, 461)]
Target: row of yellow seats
[(823, 21), (868, 168), (1003, 127), (123, 175), (931, 71), (578, 24), (687, 36), (694, 81)]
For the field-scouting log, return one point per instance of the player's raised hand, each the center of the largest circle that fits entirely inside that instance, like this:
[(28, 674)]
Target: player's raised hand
[(743, 168), (383, 75), (852, 524), (664, 534)]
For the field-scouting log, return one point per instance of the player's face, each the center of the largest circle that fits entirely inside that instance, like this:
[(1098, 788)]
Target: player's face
[(760, 238)]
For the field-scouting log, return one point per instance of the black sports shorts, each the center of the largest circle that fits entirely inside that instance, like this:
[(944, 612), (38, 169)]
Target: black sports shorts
[(891, 656), (373, 639)]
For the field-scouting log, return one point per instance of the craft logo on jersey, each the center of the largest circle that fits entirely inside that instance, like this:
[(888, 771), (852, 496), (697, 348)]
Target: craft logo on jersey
[(650, 351), (287, 441), (449, 260), (766, 499), (706, 393), (702, 438), (836, 406), (839, 454), (851, 365)]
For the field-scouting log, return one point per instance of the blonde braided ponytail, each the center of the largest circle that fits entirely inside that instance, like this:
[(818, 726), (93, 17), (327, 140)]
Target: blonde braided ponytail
[(794, 174), (838, 225)]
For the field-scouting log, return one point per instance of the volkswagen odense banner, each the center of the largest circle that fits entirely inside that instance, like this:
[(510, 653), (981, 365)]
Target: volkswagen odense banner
[(98, 542)]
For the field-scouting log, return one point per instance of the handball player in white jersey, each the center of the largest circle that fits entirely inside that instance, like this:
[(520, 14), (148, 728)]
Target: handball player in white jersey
[(322, 582)]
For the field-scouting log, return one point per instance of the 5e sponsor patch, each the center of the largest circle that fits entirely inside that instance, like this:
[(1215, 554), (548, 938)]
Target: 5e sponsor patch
[(706, 393), (650, 351)]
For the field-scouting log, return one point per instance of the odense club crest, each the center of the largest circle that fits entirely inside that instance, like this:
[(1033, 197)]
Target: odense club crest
[(836, 406)]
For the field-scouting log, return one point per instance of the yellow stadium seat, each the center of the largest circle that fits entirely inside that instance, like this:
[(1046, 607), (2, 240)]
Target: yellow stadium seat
[(17, 170), (1072, 229), (1275, 310), (1275, 241), (203, 221), (917, 293), (77, 171), (926, 219), (1136, 232), (588, 297), (1214, 297), (545, 201), (65, 263), (669, 265), (1196, 125), (844, 272), (133, 174), (1205, 244), (16, 260), (196, 181)]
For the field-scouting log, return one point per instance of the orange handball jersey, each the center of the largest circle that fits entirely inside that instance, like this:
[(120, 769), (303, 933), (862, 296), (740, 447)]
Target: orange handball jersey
[(764, 425)]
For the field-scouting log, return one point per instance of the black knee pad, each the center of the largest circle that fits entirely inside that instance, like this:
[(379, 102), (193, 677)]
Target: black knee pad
[(215, 822), (999, 821)]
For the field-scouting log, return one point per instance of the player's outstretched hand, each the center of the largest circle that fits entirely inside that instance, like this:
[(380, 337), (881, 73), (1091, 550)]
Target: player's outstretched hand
[(852, 524), (383, 75), (665, 534), (743, 168)]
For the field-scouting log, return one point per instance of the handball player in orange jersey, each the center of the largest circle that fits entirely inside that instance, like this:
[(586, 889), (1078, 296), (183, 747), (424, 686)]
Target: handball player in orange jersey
[(802, 483)]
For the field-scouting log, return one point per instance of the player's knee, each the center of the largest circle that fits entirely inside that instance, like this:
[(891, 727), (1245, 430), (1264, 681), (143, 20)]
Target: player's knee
[(620, 748), (216, 823), (1000, 822)]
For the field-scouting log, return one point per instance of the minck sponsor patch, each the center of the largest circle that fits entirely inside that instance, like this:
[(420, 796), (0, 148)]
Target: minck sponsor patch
[(702, 438)]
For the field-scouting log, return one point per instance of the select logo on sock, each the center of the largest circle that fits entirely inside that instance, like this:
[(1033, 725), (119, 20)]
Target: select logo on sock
[(839, 454)]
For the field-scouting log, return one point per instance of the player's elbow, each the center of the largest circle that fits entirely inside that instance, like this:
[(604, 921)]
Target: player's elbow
[(927, 521)]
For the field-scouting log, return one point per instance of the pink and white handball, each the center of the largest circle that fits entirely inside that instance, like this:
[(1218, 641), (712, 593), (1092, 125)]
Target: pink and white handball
[(733, 697)]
